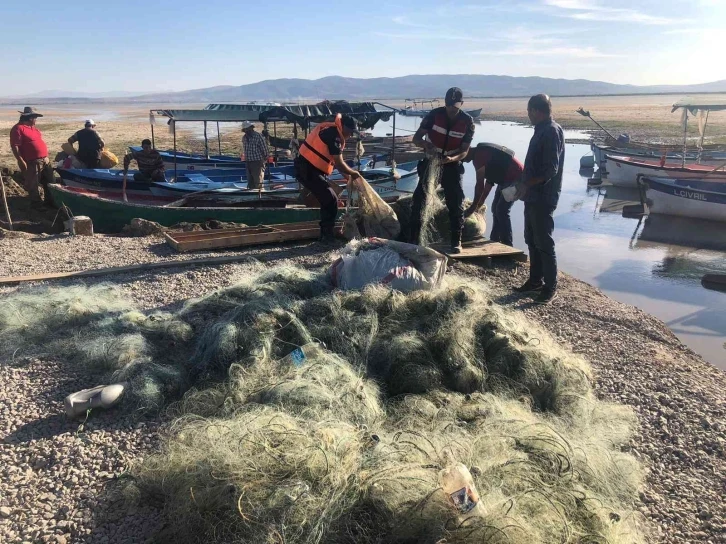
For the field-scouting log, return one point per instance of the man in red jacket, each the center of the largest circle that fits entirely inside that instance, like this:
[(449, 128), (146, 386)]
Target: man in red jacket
[(30, 151)]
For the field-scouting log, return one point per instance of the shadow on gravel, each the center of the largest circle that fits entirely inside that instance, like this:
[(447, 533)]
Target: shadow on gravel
[(39, 429)]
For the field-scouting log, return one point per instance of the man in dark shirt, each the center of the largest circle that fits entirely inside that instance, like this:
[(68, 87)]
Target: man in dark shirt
[(495, 165), (149, 161), (540, 190), (320, 154), (448, 131), (90, 145)]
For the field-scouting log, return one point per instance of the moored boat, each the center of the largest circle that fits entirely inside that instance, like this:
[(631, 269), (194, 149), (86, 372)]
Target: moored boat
[(685, 197), (111, 215), (624, 171)]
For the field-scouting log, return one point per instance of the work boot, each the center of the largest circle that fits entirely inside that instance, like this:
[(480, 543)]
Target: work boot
[(455, 243), (327, 237), (530, 286), (545, 296)]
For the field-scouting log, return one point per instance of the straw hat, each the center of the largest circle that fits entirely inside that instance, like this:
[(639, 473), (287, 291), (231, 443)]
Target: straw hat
[(29, 112)]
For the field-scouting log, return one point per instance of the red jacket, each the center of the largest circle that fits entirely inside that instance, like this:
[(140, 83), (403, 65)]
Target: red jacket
[(448, 135)]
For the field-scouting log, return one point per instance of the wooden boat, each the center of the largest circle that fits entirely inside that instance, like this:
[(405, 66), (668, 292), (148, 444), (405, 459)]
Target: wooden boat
[(715, 282), (624, 171), (600, 153), (698, 198), (111, 215)]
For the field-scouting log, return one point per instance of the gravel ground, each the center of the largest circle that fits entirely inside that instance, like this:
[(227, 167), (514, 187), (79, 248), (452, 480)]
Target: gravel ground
[(56, 476)]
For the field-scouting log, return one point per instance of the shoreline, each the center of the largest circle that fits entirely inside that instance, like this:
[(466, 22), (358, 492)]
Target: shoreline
[(679, 399)]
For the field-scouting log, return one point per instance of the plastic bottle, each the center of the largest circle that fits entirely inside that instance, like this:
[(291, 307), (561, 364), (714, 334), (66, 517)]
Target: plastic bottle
[(458, 484)]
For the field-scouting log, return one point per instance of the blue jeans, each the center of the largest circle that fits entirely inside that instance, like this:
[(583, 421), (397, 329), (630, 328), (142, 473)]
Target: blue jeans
[(502, 226), (539, 223)]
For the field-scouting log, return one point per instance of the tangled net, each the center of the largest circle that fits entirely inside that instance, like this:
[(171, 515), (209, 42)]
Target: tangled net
[(347, 444)]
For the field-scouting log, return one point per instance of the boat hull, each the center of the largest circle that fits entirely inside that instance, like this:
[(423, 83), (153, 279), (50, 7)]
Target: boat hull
[(111, 215), (600, 153), (624, 171), (669, 197)]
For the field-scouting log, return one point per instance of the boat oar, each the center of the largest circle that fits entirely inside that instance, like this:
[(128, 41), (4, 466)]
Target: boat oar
[(586, 113), (123, 188), (5, 202), (184, 200)]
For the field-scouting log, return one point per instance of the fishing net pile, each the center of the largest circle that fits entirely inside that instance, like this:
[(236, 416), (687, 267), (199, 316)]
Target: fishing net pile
[(435, 223), (310, 415)]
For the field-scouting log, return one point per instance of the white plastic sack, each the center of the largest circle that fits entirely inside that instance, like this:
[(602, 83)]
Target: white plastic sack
[(404, 267)]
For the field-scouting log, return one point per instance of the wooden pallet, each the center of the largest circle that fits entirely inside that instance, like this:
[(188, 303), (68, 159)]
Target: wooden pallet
[(245, 236), (483, 251)]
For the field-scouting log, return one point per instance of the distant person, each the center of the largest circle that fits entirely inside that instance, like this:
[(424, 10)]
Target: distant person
[(90, 145), (320, 154), (31, 152), (494, 165), (448, 131), (149, 161), (540, 190), (256, 152)]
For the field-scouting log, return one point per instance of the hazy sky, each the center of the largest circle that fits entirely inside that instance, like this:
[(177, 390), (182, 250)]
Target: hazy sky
[(135, 45)]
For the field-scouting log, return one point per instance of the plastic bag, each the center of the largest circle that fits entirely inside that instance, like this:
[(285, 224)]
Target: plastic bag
[(377, 218), (401, 266), (108, 159)]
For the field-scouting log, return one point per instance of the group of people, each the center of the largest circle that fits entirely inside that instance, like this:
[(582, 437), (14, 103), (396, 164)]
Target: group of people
[(445, 134)]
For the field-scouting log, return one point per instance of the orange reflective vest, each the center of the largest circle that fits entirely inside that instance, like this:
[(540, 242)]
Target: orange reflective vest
[(315, 150)]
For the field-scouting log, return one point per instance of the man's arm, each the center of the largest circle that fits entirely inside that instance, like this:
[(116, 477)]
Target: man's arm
[(551, 148), (73, 139), (418, 137), (481, 191), (464, 147), (265, 147), (127, 160), (343, 168), (21, 163)]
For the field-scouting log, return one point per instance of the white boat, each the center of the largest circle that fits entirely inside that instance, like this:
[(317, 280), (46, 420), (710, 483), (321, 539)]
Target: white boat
[(624, 171), (685, 197)]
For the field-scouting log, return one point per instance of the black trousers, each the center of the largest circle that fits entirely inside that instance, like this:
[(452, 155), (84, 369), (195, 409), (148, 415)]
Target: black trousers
[(317, 183), (539, 224), (451, 180)]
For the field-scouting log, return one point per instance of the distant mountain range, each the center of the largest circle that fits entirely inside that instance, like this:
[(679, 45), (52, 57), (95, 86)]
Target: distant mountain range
[(336, 87)]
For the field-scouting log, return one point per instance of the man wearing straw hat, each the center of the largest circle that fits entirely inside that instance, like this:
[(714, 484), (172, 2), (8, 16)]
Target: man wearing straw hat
[(256, 152), (31, 152)]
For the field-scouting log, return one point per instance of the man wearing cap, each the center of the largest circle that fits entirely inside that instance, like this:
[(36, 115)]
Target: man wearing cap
[(256, 152), (320, 154), (90, 145), (30, 151), (495, 165), (448, 132), (540, 190)]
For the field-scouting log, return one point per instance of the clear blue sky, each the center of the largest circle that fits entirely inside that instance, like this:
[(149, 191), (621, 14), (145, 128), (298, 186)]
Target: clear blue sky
[(134, 45)]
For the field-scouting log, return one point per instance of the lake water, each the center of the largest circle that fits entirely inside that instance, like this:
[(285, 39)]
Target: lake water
[(655, 264)]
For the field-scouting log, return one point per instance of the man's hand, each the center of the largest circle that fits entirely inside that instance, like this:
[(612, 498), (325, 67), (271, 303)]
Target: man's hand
[(428, 147), (469, 211), (521, 192), (21, 164), (447, 160)]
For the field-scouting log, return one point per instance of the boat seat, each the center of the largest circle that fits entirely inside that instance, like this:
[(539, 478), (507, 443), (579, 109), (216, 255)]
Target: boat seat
[(196, 178)]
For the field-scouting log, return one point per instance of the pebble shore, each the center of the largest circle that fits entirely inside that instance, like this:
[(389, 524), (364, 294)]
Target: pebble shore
[(58, 477)]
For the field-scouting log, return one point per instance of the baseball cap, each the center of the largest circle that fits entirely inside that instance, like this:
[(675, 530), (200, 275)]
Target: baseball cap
[(454, 97), (90, 123), (349, 123)]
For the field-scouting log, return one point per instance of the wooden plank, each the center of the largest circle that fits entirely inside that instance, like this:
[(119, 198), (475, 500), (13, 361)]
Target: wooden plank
[(482, 249), (123, 269), (248, 236), (249, 240)]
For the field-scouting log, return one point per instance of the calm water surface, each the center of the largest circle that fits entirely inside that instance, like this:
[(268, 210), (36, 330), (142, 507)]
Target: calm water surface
[(655, 264)]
